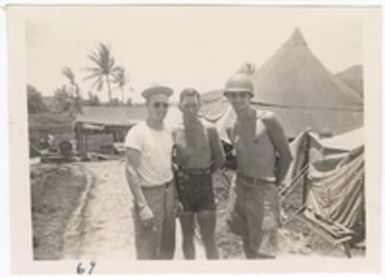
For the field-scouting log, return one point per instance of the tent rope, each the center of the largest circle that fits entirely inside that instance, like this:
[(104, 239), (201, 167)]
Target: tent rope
[(294, 183)]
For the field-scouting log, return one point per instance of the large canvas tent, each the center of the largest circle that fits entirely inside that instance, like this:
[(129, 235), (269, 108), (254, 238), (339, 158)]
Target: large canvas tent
[(295, 85)]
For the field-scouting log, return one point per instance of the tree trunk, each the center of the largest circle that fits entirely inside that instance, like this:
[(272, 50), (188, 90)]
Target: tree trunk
[(109, 88), (77, 90), (122, 96)]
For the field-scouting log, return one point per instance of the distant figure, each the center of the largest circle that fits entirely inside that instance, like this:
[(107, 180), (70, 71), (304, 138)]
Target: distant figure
[(198, 154), (150, 178), (263, 157), (50, 139)]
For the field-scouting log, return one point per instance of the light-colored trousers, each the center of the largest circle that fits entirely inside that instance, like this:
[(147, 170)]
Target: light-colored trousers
[(157, 242), (255, 217)]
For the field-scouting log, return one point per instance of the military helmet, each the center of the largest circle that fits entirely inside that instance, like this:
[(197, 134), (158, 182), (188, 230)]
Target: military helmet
[(239, 82)]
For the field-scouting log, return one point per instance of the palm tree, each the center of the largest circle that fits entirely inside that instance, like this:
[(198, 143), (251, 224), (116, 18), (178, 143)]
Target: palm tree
[(121, 79), (76, 103), (104, 68), (69, 74)]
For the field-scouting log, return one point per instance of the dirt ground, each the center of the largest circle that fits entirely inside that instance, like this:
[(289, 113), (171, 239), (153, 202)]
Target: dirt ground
[(83, 210)]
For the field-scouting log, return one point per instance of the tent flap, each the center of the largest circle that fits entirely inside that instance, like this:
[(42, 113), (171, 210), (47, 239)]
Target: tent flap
[(335, 179)]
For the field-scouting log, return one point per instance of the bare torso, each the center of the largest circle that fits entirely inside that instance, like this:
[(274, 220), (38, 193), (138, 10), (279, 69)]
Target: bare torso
[(193, 146), (254, 149)]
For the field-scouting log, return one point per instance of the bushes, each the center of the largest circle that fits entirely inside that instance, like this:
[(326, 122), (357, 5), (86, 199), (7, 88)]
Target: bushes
[(35, 100)]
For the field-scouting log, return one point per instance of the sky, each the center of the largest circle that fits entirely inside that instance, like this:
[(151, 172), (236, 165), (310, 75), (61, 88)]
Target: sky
[(182, 47)]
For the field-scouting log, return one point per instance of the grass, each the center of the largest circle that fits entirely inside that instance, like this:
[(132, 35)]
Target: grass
[(55, 191)]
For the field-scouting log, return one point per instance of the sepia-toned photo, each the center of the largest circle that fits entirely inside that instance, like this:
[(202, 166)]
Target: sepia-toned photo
[(244, 138)]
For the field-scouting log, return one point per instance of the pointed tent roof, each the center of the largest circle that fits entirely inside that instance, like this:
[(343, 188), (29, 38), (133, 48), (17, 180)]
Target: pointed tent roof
[(293, 76), (353, 78), (302, 92)]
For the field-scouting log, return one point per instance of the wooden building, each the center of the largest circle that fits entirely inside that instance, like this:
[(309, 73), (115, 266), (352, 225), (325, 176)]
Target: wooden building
[(99, 127)]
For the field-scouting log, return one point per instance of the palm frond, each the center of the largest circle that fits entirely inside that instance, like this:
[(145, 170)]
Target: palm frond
[(100, 85), (93, 75), (95, 59), (100, 79), (104, 49), (119, 76), (117, 72), (92, 69), (111, 63), (67, 72)]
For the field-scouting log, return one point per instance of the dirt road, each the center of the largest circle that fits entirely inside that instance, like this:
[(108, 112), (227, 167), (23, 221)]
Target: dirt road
[(104, 228)]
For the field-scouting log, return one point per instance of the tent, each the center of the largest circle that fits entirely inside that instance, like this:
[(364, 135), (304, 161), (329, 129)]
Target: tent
[(331, 175), (295, 85)]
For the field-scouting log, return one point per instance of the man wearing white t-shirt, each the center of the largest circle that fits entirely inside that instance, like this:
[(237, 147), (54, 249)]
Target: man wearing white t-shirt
[(150, 178)]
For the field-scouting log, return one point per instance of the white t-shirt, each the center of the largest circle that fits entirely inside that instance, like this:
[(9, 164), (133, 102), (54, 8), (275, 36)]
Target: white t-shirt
[(155, 147)]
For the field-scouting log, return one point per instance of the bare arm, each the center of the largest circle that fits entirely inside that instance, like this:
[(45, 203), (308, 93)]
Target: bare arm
[(281, 145), (132, 162), (217, 150)]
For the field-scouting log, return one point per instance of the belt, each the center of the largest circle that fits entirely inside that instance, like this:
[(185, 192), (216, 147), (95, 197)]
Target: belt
[(253, 180), (167, 184), (196, 171)]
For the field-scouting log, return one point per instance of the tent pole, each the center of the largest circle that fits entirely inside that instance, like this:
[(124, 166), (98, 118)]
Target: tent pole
[(86, 143), (78, 138), (306, 162)]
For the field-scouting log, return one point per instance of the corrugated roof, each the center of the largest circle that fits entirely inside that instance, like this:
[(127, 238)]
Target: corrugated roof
[(118, 116)]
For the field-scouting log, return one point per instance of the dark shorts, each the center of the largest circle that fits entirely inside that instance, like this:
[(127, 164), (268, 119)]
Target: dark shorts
[(196, 192)]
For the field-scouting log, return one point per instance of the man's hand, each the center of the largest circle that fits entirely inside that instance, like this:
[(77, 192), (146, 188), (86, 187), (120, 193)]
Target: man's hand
[(178, 208), (146, 217)]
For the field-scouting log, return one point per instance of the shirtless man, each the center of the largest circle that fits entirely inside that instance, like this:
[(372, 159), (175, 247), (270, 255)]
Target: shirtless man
[(263, 157), (198, 154), (150, 178)]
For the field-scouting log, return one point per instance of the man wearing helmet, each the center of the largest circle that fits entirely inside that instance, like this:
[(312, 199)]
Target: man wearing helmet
[(263, 157)]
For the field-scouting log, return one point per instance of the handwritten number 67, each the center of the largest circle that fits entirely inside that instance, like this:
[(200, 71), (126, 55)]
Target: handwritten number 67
[(80, 269)]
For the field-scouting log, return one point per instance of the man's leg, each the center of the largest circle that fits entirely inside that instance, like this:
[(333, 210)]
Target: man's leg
[(250, 253), (269, 245), (242, 208), (238, 218), (147, 240), (188, 226), (254, 216), (167, 247), (207, 223)]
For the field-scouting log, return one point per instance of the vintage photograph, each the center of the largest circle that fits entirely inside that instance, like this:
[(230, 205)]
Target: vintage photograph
[(194, 133)]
